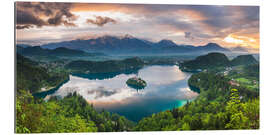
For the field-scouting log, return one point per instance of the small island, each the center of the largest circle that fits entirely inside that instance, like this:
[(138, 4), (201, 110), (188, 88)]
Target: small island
[(136, 83)]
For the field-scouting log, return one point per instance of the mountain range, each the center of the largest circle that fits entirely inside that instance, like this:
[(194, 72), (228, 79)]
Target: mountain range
[(239, 49), (129, 45)]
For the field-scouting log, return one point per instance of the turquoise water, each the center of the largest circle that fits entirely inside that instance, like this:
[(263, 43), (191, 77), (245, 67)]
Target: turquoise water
[(166, 88)]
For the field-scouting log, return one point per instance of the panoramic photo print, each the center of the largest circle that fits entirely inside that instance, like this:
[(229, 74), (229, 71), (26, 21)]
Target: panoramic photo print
[(101, 67)]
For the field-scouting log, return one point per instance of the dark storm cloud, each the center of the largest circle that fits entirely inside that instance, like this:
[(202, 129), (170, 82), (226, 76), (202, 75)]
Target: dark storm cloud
[(31, 14), (26, 19), (100, 21)]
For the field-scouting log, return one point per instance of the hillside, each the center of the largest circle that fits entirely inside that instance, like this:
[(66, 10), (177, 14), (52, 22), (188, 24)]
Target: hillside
[(253, 71), (62, 51), (244, 60), (210, 60), (31, 77), (33, 51), (81, 66)]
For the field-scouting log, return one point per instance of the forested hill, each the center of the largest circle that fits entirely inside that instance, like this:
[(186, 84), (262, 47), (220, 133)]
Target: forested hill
[(82, 66), (32, 77), (244, 60), (216, 60), (210, 60)]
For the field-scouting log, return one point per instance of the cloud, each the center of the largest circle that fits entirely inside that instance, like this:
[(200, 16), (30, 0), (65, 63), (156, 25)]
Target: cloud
[(100, 21), (58, 20), (24, 26), (101, 92), (26, 19), (188, 35), (202, 23), (30, 14)]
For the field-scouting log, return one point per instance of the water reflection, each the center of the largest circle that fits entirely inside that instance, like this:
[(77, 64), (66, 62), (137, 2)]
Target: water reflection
[(166, 88), (102, 76)]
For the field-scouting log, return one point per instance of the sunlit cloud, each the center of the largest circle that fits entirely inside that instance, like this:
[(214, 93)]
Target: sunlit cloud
[(241, 40), (228, 26), (233, 39)]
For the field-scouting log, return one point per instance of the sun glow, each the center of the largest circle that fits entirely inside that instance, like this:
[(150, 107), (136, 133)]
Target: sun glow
[(245, 41), (231, 39)]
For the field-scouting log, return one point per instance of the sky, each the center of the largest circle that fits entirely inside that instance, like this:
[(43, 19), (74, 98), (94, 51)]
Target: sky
[(229, 26)]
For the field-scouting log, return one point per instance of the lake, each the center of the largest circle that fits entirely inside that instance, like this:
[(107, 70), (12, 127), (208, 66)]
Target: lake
[(166, 88)]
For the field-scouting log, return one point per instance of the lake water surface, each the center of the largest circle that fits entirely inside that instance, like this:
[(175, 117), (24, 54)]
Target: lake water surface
[(166, 88)]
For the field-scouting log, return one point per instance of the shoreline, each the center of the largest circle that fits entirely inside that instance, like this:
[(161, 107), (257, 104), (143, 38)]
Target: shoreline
[(43, 94)]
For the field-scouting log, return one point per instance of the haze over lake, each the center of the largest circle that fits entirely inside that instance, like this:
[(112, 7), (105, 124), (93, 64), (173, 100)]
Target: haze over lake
[(166, 88)]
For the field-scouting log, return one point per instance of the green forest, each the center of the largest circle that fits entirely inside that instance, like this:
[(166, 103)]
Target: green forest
[(220, 105), (70, 114)]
